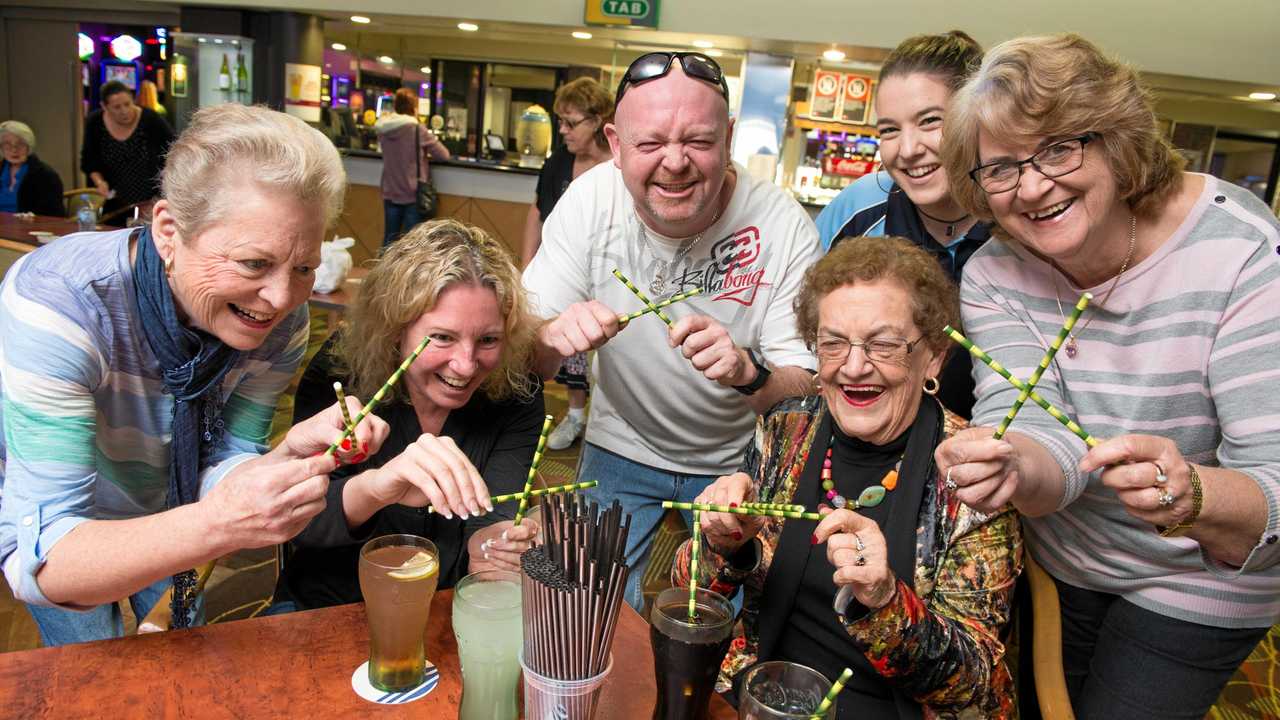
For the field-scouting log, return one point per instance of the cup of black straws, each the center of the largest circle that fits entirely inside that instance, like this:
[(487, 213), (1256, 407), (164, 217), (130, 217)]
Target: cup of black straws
[(687, 650)]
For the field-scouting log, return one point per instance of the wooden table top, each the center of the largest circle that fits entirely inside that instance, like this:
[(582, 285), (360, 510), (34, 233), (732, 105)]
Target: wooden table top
[(284, 666), (340, 299), (15, 230)]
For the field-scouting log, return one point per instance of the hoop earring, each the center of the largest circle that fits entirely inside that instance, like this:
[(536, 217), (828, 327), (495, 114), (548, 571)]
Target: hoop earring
[(891, 190), (932, 386)]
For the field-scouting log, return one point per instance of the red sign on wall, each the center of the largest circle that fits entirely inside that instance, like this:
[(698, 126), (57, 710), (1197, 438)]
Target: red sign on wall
[(824, 95), (855, 97)]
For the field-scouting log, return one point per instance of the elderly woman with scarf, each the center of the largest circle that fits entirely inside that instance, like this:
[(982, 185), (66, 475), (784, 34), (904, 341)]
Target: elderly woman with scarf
[(139, 372)]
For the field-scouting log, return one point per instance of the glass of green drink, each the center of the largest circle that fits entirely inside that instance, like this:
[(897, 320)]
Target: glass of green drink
[(398, 575), (488, 626)]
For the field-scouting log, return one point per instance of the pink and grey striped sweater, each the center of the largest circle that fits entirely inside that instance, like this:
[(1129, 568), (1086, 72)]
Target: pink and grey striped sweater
[(1187, 347)]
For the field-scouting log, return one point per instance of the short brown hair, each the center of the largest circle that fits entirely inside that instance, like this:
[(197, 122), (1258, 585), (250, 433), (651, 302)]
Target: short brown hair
[(935, 300), (1060, 86), (405, 102), (951, 57), (407, 282), (589, 98)]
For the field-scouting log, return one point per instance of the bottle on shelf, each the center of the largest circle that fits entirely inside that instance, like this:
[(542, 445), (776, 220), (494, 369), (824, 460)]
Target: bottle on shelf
[(224, 75), (242, 75)]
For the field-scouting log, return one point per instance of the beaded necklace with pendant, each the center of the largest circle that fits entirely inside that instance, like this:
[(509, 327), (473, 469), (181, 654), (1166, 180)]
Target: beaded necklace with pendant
[(869, 497)]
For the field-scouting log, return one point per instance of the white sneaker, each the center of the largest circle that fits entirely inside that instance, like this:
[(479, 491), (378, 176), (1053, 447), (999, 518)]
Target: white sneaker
[(566, 432)]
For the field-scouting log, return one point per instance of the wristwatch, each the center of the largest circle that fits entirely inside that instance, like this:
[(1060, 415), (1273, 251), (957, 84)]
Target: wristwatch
[(762, 376)]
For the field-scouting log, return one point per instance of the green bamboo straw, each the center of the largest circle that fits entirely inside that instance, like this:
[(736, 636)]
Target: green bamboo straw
[(624, 319), (574, 487), (377, 397), (771, 506), (693, 565), (1067, 325), (643, 298), (999, 369), (342, 403), (793, 514), (836, 687), (533, 468)]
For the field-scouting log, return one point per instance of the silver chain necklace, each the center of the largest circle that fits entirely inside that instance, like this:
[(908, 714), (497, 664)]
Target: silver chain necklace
[(1071, 347), (658, 285)]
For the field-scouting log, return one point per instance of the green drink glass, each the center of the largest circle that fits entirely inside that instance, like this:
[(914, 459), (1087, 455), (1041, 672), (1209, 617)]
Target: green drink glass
[(488, 625)]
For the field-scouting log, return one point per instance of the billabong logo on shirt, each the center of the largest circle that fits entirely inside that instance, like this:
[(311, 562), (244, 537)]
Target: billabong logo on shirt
[(733, 272)]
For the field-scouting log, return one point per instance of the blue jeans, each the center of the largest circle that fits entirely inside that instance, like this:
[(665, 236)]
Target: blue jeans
[(62, 627), (640, 489), (398, 219)]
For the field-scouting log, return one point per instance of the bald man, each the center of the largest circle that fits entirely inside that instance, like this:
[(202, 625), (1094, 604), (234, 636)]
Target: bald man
[(672, 408)]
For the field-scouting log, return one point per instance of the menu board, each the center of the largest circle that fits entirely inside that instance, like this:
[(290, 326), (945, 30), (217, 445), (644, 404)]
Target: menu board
[(855, 97), (824, 95)]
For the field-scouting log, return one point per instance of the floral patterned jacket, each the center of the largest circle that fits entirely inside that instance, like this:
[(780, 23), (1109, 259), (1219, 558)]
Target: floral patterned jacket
[(938, 641)]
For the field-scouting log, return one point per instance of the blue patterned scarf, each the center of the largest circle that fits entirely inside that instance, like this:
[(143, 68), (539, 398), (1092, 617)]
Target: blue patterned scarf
[(192, 365)]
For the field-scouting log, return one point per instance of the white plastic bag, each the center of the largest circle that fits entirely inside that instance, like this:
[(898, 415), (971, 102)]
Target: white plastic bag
[(335, 263)]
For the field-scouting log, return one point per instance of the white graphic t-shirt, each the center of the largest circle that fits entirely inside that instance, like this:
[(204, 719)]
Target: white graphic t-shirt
[(648, 403)]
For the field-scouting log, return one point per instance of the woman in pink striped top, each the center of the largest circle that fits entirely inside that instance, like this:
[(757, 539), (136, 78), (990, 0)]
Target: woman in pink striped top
[(1163, 537)]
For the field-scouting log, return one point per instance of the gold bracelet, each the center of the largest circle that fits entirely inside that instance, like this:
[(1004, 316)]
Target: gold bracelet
[(1197, 503)]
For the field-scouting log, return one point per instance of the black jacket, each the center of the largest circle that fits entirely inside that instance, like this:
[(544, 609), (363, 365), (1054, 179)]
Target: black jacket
[(41, 189), (159, 137)]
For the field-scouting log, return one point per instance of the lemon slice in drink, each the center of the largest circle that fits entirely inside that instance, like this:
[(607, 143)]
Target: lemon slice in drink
[(417, 567)]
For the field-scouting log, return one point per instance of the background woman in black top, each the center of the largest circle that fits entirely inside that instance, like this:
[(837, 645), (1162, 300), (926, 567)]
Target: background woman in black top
[(124, 149), (464, 420), (583, 106)]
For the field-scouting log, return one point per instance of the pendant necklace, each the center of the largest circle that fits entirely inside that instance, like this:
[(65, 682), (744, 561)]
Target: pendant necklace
[(1071, 347), (658, 285), (950, 224), (869, 497)]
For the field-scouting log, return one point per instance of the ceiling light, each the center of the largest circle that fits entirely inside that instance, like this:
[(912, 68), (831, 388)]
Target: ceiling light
[(386, 60), (714, 53), (425, 70), (582, 35), (217, 41), (833, 55), (704, 44), (338, 46), (468, 27), (1262, 96), (360, 19), (204, 40)]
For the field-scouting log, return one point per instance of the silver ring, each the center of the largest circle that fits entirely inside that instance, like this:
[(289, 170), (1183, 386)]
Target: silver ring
[(1161, 478), (858, 543), (860, 561), (950, 484), (1166, 498)]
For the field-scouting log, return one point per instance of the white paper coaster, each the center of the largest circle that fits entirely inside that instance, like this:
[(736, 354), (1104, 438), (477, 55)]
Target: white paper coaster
[(360, 683)]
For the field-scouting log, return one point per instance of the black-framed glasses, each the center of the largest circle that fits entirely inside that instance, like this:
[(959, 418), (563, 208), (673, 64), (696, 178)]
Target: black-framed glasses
[(573, 124), (1056, 160), (832, 348), (654, 65)]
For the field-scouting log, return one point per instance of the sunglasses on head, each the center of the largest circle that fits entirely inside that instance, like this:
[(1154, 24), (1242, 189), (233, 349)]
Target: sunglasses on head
[(657, 64)]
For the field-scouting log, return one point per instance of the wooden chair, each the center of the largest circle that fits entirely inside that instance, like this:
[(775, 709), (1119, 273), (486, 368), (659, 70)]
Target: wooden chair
[(1045, 644), (71, 198), (161, 616)]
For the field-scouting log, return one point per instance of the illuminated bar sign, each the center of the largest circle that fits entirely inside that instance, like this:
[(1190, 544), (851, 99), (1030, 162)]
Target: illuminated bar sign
[(641, 13)]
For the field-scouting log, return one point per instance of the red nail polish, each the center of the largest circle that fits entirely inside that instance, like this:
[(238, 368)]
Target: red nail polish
[(813, 539), (364, 447), (733, 505), (358, 458), (737, 535), (346, 444)]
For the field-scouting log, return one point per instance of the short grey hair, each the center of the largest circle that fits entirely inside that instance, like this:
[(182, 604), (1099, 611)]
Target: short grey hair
[(229, 145), (20, 130)]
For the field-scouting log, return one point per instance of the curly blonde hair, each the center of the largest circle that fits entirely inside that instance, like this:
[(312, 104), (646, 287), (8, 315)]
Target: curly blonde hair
[(935, 299), (407, 282), (1060, 86)]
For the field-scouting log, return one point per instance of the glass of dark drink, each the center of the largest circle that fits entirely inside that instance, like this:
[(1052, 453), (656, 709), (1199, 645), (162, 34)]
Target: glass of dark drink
[(778, 690), (687, 652)]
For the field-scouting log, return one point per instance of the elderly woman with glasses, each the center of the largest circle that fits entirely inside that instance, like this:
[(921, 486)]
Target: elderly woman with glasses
[(26, 183), (1162, 537), (920, 584)]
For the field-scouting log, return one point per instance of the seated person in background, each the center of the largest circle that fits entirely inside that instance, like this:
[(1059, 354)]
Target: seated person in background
[(140, 369), (26, 183), (672, 408), (464, 418), (924, 581)]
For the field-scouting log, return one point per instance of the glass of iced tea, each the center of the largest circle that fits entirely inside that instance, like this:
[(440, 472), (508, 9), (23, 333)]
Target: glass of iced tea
[(398, 575)]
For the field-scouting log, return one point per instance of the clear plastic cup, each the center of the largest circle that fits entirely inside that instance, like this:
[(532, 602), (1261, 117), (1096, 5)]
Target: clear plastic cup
[(778, 690), (546, 698)]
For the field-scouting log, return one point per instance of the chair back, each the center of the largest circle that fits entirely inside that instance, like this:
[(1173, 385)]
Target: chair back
[(78, 197)]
